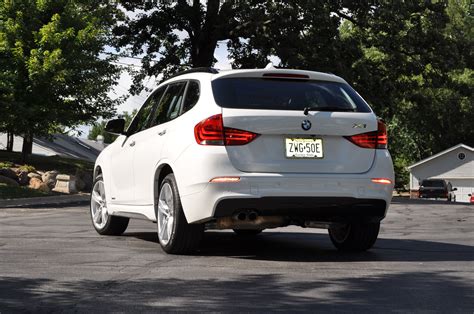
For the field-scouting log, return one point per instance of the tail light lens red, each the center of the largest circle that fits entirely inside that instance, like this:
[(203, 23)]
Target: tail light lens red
[(211, 131), (376, 139)]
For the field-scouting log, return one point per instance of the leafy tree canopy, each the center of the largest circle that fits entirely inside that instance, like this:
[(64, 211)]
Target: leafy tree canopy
[(52, 70)]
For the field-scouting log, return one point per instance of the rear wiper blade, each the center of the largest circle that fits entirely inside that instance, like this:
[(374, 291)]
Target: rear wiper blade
[(327, 108)]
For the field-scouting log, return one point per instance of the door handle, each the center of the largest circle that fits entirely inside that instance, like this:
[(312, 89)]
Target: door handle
[(132, 143), (162, 133)]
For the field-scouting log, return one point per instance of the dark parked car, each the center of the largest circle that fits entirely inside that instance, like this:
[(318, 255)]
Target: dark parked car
[(436, 188)]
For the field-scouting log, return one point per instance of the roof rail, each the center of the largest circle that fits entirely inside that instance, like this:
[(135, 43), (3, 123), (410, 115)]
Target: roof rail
[(196, 70)]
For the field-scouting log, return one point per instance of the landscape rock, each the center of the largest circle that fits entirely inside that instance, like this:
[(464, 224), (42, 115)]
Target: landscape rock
[(65, 184), (84, 180), (8, 181), (23, 178), (9, 173), (50, 178), (37, 184), (35, 175)]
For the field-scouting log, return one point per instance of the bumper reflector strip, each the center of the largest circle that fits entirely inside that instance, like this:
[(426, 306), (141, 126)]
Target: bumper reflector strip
[(381, 180), (225, 180)]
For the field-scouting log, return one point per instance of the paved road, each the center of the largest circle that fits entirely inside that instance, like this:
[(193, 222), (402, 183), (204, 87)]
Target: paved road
[(52, 260)]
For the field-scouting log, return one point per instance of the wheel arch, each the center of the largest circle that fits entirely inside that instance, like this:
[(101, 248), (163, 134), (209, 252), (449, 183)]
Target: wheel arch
[(161, 172)]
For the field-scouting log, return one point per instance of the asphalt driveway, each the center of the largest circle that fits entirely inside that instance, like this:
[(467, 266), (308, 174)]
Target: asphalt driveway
[(51, 260)]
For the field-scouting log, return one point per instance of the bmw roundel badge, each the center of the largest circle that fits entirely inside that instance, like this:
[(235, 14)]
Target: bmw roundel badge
[(306, 125)]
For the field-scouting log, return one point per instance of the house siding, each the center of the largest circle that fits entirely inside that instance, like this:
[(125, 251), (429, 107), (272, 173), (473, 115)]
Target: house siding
[(450, 168)]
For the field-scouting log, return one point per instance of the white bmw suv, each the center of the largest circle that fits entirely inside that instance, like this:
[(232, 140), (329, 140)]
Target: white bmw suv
[(247, 150)]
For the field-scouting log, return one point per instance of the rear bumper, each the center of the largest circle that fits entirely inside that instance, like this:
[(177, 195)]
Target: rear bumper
[(289, 194), (322, 209)]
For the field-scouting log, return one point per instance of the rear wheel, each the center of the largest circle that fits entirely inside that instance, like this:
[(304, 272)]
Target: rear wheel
[(176, 236), (247, 232), (104, 223), (354, 236)]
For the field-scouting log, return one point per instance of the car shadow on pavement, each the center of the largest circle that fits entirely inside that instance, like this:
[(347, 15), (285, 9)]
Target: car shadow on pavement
[(312, 247), (441, 292)]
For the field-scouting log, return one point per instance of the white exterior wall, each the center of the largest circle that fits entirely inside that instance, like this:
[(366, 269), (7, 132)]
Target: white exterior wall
[(450, 168)]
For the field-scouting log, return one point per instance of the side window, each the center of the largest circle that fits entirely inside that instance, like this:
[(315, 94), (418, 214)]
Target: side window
[(170, 103), (140, 121), (192, 96)]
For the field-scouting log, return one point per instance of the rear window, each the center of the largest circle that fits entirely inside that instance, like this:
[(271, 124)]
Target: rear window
[(433, 183), (281, 94)]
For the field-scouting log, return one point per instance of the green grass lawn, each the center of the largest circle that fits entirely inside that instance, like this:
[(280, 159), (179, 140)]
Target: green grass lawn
[(46, 163), (9, 192)]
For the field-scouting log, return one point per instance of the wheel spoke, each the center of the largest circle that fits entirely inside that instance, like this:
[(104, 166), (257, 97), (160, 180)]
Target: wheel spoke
[(97, 215), (104, 215), (102, 190), (96, 197), (163, 228), (163, 207), (169, 227)]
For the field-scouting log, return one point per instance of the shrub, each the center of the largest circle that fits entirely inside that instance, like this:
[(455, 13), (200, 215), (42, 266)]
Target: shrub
[(27, 168), (6, 164)]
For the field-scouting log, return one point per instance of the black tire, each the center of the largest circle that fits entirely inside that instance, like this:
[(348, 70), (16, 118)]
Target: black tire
[(354, 236), (115, 225), (247, 232), (185, 238)]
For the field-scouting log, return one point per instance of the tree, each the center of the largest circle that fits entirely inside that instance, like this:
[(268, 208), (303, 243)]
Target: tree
[(174, 35), (53, 71), (411, 60), (99, 127), (416, 71)]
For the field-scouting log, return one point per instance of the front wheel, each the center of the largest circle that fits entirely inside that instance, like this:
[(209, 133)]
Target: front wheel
[(104, 223), (176, 236), (355, 236)]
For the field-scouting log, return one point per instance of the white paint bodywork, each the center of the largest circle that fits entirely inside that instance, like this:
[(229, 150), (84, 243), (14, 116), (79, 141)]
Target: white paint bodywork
[(130, 172)]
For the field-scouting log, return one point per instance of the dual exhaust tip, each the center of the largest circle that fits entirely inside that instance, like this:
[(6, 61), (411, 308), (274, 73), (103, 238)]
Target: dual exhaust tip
[(247, 215)]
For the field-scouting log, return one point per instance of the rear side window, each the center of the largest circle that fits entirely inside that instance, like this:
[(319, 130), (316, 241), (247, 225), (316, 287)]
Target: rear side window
[(170, 104), (192, 96), (280, 94)]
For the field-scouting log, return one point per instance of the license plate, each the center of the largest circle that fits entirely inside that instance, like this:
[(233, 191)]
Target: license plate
[(304, 148)]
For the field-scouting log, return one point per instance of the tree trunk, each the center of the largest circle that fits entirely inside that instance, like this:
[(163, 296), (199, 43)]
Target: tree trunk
[(10, 139), (27, 146)]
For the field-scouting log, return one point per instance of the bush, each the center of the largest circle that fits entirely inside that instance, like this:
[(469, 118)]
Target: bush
[(6, 164), (26, 168)]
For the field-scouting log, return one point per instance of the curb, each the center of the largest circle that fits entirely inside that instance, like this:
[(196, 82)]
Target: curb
[(46, 201)]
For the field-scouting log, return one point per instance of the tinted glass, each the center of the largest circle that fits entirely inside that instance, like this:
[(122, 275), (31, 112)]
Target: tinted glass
[(170, 104), (433, 183), (140, 121), (280, 94), (192, 96)]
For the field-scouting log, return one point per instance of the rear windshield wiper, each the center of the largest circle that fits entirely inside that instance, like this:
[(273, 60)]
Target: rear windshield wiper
[(326, 108)]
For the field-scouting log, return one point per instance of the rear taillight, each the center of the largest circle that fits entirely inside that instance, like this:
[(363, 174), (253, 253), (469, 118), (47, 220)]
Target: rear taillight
[(211, 131), (376, 139)]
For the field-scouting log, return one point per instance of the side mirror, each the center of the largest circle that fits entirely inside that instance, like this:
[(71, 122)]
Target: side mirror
[(115, 126), (454, 189)]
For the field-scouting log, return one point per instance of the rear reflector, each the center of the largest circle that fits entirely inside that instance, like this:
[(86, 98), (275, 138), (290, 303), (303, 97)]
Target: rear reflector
[(376, 139), (285, 75), (381, 180), (225, 180), (211, 131)]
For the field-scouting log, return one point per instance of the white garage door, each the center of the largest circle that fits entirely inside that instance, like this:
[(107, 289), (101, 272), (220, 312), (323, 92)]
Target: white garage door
[(464, 186)]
